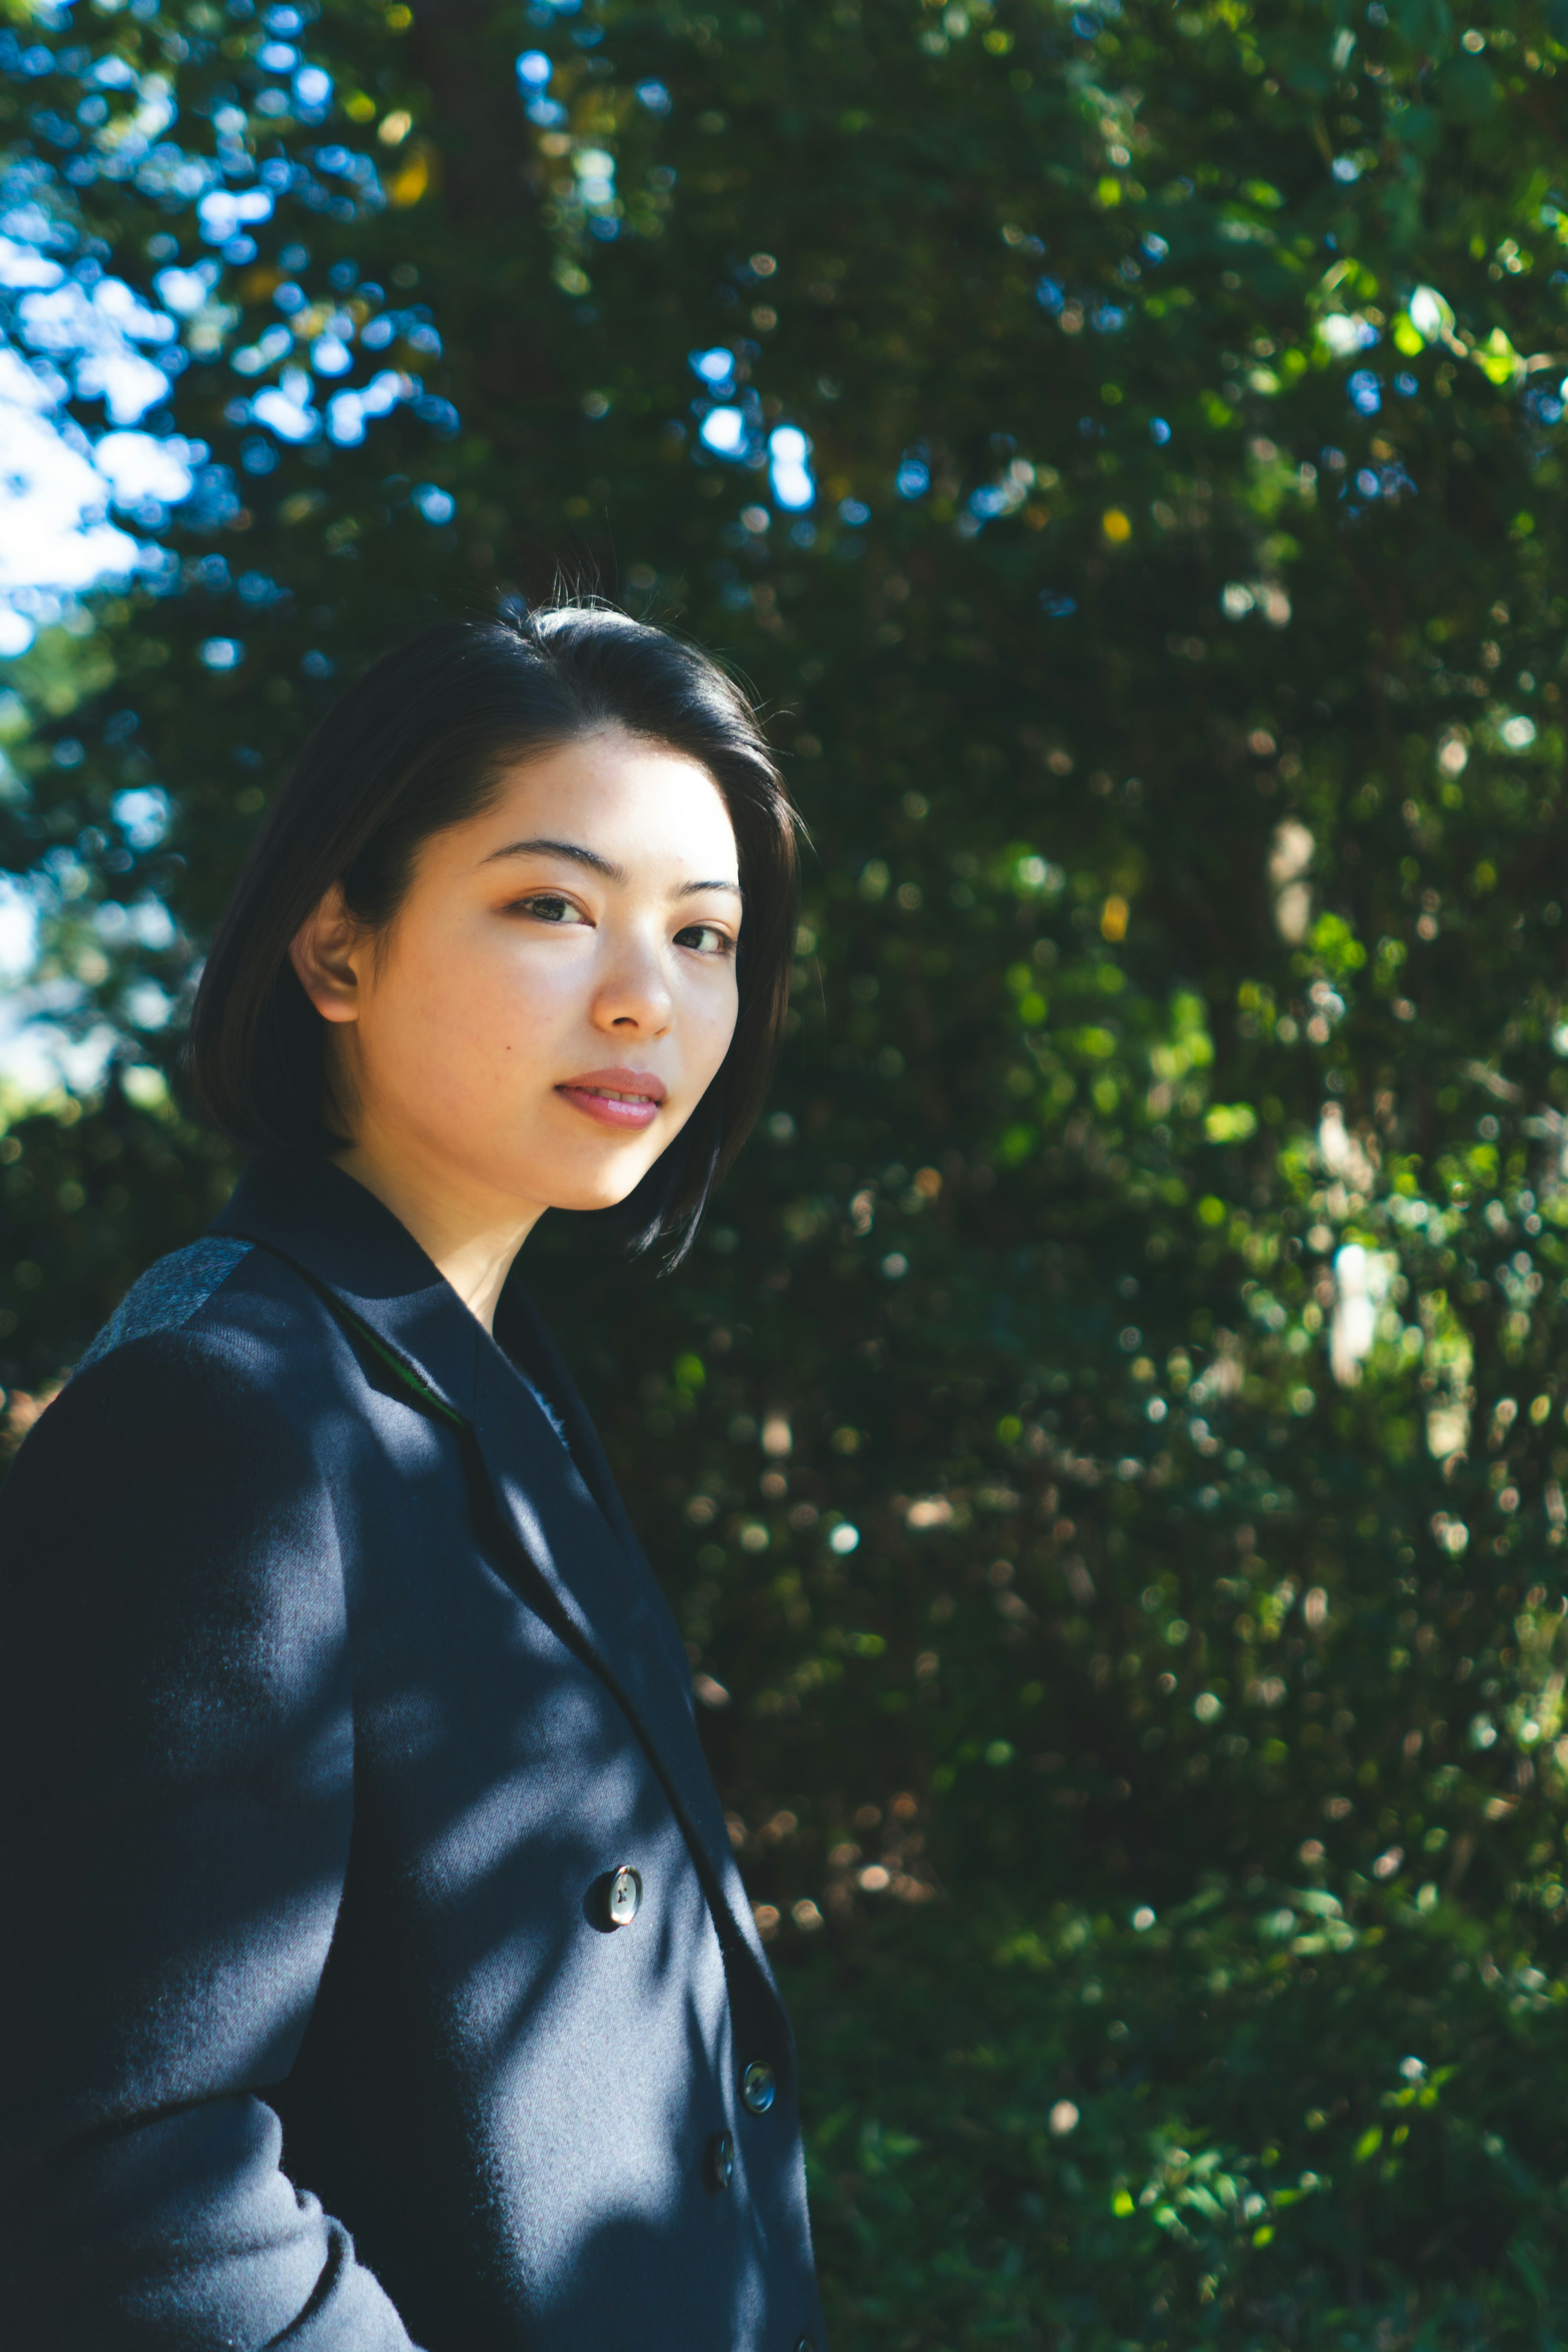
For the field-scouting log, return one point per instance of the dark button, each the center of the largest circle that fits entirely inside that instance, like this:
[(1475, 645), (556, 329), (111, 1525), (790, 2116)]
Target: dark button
[(759, 2086), (720, 2160), (625, 1894), (807, 2344)]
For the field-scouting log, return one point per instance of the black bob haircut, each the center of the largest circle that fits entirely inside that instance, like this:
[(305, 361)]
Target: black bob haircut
[(421, 742)]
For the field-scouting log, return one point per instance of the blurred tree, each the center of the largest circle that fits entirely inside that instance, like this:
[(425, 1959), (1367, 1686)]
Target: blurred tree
[(1108, 1453)]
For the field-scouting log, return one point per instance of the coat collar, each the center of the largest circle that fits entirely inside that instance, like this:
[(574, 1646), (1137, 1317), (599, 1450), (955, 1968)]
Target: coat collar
[(559, 1503), (341, 1235)]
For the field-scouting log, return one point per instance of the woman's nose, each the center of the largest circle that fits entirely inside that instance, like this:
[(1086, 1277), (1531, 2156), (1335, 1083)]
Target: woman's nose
[(634, 994)]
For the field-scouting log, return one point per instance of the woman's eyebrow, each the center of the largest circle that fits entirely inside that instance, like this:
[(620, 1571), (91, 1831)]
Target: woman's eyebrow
[(597, 864), (571, 849)]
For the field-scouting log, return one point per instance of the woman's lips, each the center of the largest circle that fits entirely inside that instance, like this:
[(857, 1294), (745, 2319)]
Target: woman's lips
[(624, 1099)]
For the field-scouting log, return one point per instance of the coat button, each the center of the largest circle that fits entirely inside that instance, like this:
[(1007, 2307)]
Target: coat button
[(807, 2344), (720, 2160), (625, 1894), (759, 2086)]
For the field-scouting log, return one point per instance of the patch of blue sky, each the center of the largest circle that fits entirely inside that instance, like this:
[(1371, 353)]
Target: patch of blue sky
[(74, 337), (56, 538), (94, 332), (141, 467), (141, 813), (223, 211), (286, 410), (145, 923), (330, 355), (789, 468), (146, 1005), (377, 398), (716, 367), (184, 291), (1365, 391), (40, 1056), (18, 927), (42, 1046), (723, 430)]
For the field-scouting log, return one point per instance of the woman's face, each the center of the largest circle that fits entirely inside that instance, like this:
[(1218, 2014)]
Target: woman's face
[(557, 990)]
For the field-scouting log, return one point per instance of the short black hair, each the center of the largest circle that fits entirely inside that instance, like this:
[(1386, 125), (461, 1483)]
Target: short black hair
[(421, 742)]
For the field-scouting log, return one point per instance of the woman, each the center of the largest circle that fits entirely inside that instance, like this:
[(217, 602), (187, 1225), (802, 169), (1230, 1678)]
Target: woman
[(375, 1971)]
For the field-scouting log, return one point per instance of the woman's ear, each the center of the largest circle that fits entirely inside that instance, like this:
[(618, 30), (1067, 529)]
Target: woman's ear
[(326, 951)]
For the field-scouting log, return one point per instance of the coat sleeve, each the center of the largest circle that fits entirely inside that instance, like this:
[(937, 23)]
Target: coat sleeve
[(177, 1756)]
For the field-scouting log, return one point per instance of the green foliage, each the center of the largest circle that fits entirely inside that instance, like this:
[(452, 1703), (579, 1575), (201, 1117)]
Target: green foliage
[(1254, 2122), (1108, 1451)]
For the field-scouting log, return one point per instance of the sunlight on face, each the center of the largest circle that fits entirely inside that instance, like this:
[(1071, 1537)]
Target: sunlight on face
[(557, 991)]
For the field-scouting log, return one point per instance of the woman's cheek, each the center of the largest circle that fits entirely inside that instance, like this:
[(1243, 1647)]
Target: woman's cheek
[(536, 997), (447, 1025), (724, 1016), (490, 997)]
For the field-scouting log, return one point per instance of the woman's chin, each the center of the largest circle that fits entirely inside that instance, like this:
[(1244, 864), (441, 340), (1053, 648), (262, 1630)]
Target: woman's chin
[(605, 1190)]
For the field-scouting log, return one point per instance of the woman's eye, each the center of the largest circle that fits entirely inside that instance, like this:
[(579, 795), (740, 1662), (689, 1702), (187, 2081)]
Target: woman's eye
[(549, 908), (706, 938)]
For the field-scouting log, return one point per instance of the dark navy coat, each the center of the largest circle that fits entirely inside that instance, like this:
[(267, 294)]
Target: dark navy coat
[(334, 1691)]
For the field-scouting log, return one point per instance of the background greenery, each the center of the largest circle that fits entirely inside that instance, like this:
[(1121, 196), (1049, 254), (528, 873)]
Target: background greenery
[(1128, 1626)]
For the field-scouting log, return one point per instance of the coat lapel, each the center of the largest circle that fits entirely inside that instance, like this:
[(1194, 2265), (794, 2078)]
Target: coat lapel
[(564, 1509), (558, 1501)]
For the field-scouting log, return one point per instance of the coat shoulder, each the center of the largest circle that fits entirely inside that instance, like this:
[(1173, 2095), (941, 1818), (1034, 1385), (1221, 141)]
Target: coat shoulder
[(169, 1294)]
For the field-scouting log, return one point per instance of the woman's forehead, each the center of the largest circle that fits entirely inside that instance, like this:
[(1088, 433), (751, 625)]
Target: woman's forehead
[(648, 797)]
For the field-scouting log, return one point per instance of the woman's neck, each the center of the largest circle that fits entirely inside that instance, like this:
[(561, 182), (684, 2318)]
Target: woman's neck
[(469, 1235)]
